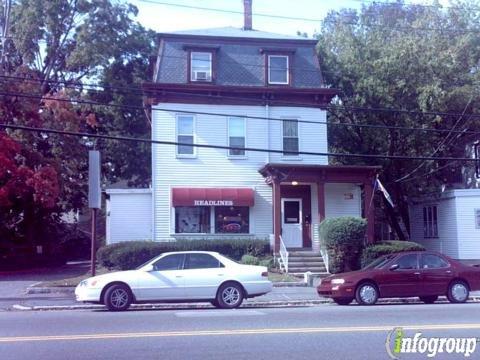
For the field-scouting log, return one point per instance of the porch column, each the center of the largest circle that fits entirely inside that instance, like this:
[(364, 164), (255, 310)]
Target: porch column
[(321, 201), (277, 219), (369, 206)]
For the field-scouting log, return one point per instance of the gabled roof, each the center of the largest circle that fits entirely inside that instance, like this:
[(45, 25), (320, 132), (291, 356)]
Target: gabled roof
[(238, 33)]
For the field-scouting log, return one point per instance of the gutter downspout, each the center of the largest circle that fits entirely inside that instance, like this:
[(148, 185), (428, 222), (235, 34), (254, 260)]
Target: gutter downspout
[(267, 116)]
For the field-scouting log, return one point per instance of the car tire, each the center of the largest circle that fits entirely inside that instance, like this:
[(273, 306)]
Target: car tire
[(214, 303), (367, 294), (343, 301), (230, 295), (428, 299), (118, 297), (458, 292)]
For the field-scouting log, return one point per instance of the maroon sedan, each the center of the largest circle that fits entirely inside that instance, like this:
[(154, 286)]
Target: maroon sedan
[(424, 274)]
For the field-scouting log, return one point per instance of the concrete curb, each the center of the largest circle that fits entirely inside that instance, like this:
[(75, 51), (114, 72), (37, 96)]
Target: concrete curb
[(247, 304)]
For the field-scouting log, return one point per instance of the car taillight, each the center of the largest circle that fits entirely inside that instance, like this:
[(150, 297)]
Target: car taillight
[(265, 273)]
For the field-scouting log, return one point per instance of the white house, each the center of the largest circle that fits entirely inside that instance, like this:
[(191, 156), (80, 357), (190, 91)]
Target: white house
[(449, 223), (244, 89)]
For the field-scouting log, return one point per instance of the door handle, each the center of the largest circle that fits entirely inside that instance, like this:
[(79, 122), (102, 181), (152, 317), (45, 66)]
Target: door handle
[(179, 276), (416, 273), (220, 274), (448, 272)]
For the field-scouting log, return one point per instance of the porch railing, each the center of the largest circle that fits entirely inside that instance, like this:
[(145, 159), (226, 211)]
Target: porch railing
[(283, 255)]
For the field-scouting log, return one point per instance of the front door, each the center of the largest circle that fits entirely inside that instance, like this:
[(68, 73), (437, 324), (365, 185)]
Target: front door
[(292, 223)]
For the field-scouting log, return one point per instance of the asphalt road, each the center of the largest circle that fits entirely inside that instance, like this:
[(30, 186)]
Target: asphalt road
[(321, 332)]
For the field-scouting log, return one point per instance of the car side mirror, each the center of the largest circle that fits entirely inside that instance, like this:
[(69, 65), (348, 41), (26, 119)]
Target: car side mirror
[(394, 267), (149, 268)]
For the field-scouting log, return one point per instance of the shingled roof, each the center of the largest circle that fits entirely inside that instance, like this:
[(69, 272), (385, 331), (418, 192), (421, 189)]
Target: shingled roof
[(240, 58)]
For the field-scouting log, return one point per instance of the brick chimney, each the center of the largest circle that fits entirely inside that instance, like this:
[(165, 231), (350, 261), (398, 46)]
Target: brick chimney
[(247, 14)]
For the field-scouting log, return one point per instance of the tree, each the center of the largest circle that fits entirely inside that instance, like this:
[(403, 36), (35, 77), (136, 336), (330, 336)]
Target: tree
[(415, 58)]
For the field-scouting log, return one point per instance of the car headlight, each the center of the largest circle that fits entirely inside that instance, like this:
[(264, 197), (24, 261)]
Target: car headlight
[(83, 283), (87, 283), (338, 281)]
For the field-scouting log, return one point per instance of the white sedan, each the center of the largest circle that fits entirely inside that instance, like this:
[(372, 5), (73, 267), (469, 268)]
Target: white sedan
[(178, 277)]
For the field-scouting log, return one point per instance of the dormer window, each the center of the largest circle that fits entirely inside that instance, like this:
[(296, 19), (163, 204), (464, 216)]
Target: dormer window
[(278, 69), (200, 66)]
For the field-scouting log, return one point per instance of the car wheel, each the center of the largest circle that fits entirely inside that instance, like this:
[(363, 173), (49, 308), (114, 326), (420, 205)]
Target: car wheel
[(458, 292), (366, 294), (428, 299), (118, 297), (230, 295), (343, 301)]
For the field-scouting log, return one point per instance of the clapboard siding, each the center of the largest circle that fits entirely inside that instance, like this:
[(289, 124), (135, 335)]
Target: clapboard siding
[(129, 216), (338, 204), (446, 242), (468, 234), (458, 236), (214, 168)]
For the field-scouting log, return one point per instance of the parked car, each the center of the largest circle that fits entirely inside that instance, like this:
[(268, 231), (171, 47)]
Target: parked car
[(425, 274), (178, 277)]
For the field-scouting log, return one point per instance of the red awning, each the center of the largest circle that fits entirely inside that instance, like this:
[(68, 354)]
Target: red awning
[(212, 197)]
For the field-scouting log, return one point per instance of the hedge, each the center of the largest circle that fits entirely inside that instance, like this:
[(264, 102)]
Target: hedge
[(373, 252), (343, 238), (131, 254)]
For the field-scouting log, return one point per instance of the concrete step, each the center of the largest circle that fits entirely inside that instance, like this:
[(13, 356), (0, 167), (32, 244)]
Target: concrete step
[(305, 269), (320, 275), (305, 264), (305, 259), (303, 253)]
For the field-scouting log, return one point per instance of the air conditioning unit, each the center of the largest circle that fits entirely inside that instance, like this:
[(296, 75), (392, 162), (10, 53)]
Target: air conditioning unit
[(200, 76)]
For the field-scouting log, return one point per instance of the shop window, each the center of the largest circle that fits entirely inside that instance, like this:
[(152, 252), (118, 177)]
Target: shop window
[(192, 219), (236, 136), (185, 134), (278, 69), (201, 66), (290, 137), (430, 224), (232, 219)]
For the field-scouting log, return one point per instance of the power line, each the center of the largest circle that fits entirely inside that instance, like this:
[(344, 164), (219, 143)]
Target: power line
[(282, 17), (223, 147), (367, 126)]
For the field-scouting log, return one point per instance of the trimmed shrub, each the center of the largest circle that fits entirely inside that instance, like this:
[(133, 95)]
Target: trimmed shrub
[(373, 252), (249, 260), (343, 238), (267, 262), (131, 254)]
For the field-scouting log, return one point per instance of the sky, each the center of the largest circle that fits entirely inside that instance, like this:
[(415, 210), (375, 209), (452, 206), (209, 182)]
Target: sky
[(166, 18)]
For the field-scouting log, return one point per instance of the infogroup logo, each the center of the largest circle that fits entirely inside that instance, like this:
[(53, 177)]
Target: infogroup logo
[(397, 343)]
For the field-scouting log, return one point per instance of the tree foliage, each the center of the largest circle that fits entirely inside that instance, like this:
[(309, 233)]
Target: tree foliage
[(408, 57)]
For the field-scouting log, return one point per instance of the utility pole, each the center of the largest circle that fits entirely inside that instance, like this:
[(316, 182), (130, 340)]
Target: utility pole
[(94, 199), (5, 36)]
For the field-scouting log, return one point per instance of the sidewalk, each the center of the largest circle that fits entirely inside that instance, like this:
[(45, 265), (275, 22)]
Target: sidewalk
[(18, 293)]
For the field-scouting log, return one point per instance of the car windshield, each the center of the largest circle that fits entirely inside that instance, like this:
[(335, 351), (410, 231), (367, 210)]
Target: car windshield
[(378, 263), (145, 263)]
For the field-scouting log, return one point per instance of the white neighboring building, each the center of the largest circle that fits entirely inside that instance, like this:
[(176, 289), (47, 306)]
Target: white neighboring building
[(129, 215), (449, 223)]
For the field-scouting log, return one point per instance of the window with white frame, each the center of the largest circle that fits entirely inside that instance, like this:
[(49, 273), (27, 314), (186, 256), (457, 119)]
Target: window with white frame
[(236, 136), (477, 218), (278, 69), (185, 134), (200, 66), (430, 224), (290, 137)]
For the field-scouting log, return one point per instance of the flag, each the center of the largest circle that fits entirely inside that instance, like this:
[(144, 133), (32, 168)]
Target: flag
[(379, 186)]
